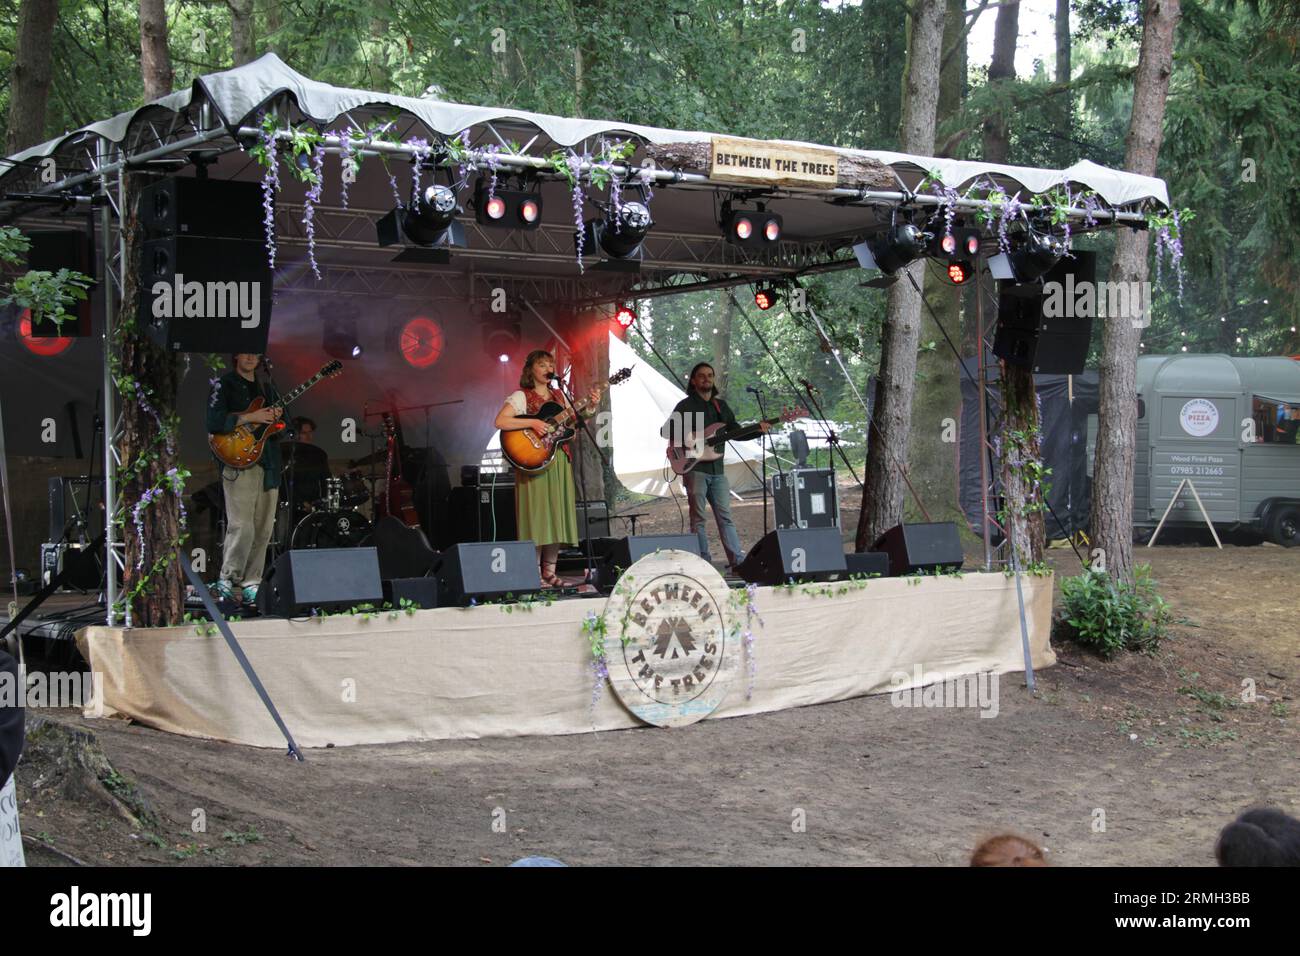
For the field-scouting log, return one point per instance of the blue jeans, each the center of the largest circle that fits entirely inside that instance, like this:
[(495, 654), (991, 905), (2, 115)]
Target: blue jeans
[(714, 489)]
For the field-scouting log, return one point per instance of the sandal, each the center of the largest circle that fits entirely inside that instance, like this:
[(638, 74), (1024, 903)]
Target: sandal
[(551, 580)]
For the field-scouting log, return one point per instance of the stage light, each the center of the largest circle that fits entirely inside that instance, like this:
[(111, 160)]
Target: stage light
[(619, 234), (625, 316), (1036, 253), (893, 249), (750, 227), (420, 341), (341, 340), (960, 242), (501, 335), (765, 297), (503, 358), (506, 208), (429, 220), (43, 346), (959, 272), (948, 244)]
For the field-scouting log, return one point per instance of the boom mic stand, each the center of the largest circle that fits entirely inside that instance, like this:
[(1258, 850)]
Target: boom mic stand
[(832, 439), (558, 383), (762, 445)]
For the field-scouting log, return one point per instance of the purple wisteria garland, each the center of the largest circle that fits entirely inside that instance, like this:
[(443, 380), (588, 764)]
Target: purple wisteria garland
[(420, 153), (747, 636), (574, 163), (309, 205), (347, 164), (270, 186)]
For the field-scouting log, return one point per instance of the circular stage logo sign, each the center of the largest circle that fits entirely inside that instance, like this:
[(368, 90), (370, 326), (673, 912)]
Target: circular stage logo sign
[(1199, 417), (669, 645)]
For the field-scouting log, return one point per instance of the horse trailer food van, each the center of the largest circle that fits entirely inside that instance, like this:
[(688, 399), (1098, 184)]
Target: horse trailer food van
[(1229, 426)]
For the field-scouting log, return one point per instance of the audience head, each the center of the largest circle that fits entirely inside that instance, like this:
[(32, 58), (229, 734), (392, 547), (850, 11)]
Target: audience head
[(1008, 850), (1260, 837)]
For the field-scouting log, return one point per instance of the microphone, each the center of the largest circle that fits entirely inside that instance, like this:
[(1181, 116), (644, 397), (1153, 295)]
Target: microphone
[(751, 388), (266, 362), (551, 376), (808, 385)]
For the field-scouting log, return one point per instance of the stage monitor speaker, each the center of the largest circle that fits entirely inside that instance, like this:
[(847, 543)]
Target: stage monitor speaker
[(796, 554), (487, 570), (64, 249), (1029, 337), (422, 592), (190, 206), (204, 294), (404, 551), (867, 563), (326, 578), (921, 547), (625, 552)]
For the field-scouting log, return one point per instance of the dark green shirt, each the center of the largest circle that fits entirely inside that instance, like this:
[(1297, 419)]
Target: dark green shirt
[(230, 397), (684, 415)]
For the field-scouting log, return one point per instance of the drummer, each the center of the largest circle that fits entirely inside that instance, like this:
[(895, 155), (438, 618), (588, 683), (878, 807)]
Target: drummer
[(307, 466)]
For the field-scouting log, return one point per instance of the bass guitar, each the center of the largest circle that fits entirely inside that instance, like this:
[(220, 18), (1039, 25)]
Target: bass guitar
[(709, 444), (398, 498), (531, 449), (242, 448)]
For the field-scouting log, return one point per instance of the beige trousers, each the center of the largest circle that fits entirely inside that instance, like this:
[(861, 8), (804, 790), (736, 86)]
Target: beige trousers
[(250, 519)]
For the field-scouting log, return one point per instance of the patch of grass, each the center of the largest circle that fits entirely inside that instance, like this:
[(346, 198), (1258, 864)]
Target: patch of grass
[(1205, 737), (242, 838), (185, 851), (1279, 709), (154, 839)]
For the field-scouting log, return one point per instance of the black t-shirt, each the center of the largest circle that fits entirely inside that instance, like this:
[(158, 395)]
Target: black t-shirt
[(684, 418)]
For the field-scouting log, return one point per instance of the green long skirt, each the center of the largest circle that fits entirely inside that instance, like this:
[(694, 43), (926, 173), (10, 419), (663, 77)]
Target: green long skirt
[(545, 505)]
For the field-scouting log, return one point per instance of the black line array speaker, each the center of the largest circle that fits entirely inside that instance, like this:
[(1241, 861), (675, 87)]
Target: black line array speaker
[(64, 249), (625, 552), (190, 206), (921, 547), (326, 578), (486, 570), (1028, 336), (795, 554), (206, 293)]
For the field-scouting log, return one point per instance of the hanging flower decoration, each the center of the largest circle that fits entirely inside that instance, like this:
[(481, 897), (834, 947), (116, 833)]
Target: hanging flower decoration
[(751, 612), (266, 152), (348, 164), (1169, 242), (421, 151), (309, 206)]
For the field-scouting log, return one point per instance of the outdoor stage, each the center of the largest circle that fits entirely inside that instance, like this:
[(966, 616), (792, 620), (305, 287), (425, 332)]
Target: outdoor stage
[(511, 670)]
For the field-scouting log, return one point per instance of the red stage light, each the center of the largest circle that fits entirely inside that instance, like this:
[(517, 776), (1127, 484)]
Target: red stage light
[(625, 316), (948, 244), (958, 272), (421, 342), (765, 299), (41, 345), (973, 244), (772, 230), (496, 207), (529, 210), (743, 228)]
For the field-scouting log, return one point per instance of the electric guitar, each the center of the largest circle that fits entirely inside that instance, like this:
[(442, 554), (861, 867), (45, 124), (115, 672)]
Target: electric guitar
[(531, 449), (242, 448), (709, 445)]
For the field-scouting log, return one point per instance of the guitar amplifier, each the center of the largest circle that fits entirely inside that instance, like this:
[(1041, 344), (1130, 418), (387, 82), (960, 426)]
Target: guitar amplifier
[(806, 498)]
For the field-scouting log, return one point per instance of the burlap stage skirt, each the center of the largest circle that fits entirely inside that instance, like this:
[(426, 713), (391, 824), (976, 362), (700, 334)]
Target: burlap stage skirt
[(545, 505)]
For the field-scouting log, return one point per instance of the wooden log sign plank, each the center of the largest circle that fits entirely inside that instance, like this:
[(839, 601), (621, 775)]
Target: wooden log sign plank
[(670, 645), (769, 163)]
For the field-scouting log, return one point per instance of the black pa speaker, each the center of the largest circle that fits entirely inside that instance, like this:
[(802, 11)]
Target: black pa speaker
[(921, 547), (189, 206), (206, 294), (1028, 336), (803, 554), (326, 578), (625, 552), (404, 551), (64, 249), (867, 563), (488, 569)]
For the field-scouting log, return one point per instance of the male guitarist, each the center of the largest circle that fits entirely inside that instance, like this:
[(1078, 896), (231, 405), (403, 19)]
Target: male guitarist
[(251, 493), (701, 408)]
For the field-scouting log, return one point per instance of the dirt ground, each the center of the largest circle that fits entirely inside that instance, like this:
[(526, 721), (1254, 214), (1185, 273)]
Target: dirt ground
[(1160, 749)]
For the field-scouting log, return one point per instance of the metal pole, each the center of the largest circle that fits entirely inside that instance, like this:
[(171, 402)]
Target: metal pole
[(110, 407), (984, 424)]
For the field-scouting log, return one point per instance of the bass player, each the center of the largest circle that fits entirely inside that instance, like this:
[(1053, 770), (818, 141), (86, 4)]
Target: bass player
[(251, 493), (702, 407)]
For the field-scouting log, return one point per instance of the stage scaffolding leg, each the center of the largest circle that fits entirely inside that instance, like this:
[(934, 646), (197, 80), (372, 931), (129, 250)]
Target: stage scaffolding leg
[(113, 270), (984, 421)]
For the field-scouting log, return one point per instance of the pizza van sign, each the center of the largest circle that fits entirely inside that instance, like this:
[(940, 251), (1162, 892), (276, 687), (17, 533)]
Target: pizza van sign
[(669, 647), (1199, 417)]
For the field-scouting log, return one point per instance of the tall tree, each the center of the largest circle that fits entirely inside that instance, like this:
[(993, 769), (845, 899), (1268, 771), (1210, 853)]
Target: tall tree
[(155, 60), (241, 31), (1112, 486), (29, 79), (1002, 71), (887, 443)]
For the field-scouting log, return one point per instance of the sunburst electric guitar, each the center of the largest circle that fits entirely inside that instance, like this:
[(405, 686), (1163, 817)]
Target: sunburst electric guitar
[(243, 447), (531, 449)]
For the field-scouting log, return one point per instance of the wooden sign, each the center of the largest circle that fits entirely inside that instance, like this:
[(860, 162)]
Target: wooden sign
[(11, 838), (761, 161), (669, 644)]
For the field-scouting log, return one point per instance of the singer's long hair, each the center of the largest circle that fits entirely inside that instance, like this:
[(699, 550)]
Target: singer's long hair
[(690, 379), (526, 379)]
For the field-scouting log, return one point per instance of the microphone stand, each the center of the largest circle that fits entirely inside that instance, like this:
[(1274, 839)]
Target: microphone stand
[(832, 439), (558, 383), (275, 390), (762, 445)]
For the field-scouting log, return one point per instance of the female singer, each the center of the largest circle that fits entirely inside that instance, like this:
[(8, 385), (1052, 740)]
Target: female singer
[(545, 507)]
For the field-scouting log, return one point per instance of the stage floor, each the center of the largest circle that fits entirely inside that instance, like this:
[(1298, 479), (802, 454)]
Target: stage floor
[(511, 670)]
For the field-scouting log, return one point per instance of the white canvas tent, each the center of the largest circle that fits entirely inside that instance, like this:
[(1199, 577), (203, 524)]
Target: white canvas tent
[(640, 407)]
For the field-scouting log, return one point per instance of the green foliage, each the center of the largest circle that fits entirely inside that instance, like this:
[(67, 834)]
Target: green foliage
[(1109, 616)]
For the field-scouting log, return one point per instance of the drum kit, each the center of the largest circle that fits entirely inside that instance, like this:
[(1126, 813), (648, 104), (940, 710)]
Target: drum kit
[(333, 520)]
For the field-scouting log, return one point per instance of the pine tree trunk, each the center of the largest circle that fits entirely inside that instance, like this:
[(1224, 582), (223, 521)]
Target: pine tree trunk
[(1002, 69), (162, 602), (155, 60), (882, 493), (29, 81), (722, 340), (590, 367), (1112, 487), (241, 31), (1064, 150)]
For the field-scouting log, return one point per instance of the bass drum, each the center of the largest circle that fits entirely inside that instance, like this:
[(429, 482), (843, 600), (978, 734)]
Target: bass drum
[(330, 529)]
